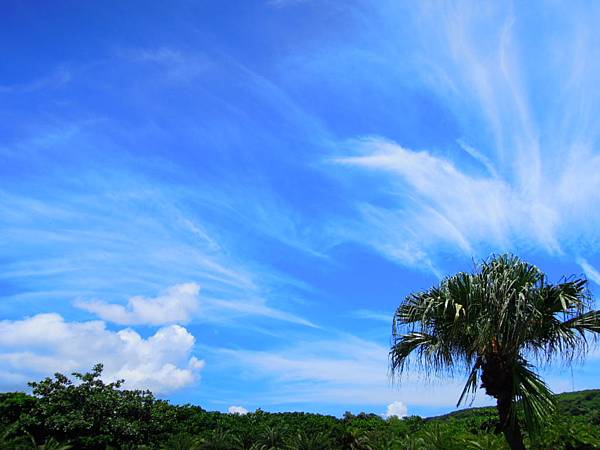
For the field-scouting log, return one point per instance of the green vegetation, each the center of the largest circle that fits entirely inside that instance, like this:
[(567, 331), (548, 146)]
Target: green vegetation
[(491, 324), (89, 414)]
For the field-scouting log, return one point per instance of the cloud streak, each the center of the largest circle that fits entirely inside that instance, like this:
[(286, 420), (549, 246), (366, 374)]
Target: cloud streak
[(590, 271), (343, 370)]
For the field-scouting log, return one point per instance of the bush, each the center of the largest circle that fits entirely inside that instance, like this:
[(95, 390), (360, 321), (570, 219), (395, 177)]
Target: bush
[(90, 414)]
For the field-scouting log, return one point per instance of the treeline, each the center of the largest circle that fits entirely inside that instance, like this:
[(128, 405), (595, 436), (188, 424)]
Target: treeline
[(86, 413)]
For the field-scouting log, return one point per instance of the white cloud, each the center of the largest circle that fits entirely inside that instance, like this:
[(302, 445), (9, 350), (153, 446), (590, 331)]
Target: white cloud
[(46, 343), (372, 315), (237, 410), (282, 3), (56, 79), (590, 271), (254, 307), (396, 409), (433, 206), (177, 304), (180, 304), (177, 65), (173, 243), (341, 371), (526, 172)]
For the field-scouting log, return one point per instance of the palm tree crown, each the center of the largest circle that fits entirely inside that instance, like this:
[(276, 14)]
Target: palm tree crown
[(490, 323)]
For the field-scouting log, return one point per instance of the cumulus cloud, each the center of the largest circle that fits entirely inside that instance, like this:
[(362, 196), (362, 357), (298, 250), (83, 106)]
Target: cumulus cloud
[(175, 305), (396, 409), (179, 304), (46, 343), (237, 410)]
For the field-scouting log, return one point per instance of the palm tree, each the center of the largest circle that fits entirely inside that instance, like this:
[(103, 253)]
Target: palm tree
[(490, 324), (310, 441), (220, 439), (272, 438), (183, 441)]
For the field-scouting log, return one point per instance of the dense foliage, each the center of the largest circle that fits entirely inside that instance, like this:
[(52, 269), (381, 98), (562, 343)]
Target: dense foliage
[(493, 324), (86, 413)]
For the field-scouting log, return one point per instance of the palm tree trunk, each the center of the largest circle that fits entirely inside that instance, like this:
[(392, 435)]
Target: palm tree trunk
[(509, 426), (496, 378)]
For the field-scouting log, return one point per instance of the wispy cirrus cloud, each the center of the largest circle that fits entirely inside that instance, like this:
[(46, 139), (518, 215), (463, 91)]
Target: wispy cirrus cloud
[(521, 175), (121, 229), (439, 207), (342, 370), (352, 371), (372, 315), (174, 65), (60, 77), (283, 3), (252, 307), (141, 237), (590, 271)]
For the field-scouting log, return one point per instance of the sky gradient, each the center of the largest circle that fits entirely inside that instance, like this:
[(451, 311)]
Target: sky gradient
[(225, 202)]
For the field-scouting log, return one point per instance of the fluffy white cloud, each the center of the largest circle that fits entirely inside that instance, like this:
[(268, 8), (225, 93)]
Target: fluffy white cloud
[(396, 409), (237, 410), (179, 304), (46, 343), (175, 305)]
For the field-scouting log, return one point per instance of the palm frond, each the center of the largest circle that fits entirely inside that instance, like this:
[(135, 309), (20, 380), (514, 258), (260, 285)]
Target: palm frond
[(536, 398), (589, 321), (472, 382), (405, 345)]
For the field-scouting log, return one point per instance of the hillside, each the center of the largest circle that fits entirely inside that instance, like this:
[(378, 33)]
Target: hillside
[(584, 404)]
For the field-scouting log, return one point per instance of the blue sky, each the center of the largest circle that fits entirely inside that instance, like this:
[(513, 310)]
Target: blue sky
[(225, 201)]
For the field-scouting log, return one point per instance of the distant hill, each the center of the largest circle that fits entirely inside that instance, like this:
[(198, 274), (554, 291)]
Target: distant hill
[(576, 404)]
